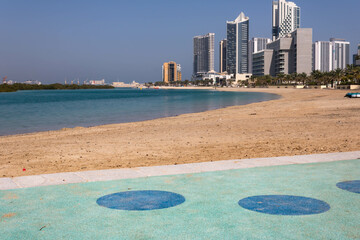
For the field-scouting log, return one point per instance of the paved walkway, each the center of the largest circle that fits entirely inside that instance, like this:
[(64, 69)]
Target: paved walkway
[(117, 174), (247, 199)]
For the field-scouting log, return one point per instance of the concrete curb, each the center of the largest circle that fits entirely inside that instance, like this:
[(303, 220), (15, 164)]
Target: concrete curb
[(143, 172)]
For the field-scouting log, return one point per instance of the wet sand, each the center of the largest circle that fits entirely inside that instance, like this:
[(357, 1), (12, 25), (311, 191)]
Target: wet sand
[(302, 122)]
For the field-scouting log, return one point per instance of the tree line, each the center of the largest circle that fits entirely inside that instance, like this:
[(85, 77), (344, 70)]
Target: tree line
[(348, 76)]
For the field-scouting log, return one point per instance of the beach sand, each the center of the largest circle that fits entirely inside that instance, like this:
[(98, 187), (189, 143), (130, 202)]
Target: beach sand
[(302, 122)]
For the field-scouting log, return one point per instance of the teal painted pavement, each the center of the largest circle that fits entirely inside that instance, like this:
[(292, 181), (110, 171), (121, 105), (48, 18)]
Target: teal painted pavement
[(210, 211)]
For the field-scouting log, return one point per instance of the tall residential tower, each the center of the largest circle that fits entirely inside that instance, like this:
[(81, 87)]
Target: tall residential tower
[(331, 55), (237, 45), (341, 53), (204, 54), (285, 18), (322, 56)]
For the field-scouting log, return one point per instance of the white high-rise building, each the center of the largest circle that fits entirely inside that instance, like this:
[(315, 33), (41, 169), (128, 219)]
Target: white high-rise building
[(331, 55), (256, 45), (204, 54), (285, 19), (340, 53), (322, 56)]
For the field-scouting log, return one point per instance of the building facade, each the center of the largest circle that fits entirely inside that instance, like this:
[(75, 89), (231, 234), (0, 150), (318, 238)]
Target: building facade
[(340, 53), (289, 55), (262, 63), (256, 45), (222, 55), (322, 56), (285, 18), (237, 45), (356, 59), (171, 72), (203, 54), (331, 55)]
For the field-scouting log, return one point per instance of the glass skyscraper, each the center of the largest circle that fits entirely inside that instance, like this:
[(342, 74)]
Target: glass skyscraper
[(237, 45)]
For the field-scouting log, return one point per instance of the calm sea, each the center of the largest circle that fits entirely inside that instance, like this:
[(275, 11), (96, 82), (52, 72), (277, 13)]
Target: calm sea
[(33, 111)]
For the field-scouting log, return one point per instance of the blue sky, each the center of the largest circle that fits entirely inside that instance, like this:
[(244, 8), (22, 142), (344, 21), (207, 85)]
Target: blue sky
[(126, 40)]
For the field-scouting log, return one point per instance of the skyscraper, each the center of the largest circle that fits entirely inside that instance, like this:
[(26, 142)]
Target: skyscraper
[(171, 72), (237, 45), (322, 59), (256, 45), (204, 54), (340, 53), (331, 55), (222, 53), (285, 18)]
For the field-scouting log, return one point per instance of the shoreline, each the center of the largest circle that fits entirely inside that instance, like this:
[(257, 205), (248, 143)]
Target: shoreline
[(163, 88), (301, 122)]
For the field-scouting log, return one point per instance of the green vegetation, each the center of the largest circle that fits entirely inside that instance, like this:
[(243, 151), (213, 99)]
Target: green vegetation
[(348, 76), (56, 86)]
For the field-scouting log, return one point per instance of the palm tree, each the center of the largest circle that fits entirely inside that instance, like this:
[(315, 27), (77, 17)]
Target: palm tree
[(280, 78), (338, 76), (303, 77)]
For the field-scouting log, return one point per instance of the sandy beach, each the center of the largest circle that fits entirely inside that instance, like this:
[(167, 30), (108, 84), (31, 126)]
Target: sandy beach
[(302, 122)]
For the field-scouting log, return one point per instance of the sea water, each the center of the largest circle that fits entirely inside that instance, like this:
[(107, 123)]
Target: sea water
[(43, 110)]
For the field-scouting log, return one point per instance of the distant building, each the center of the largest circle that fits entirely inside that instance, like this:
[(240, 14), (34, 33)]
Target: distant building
[(33, 82), (356, 59), (215, 77), (286, 55), (222, 53), (203, 54), (285, 18), (171, 72), (125, 85), (95, 82), (237, 45), (331, 55), (256, 45)]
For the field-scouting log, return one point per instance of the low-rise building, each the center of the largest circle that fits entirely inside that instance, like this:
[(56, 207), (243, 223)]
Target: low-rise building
[(213, 76)]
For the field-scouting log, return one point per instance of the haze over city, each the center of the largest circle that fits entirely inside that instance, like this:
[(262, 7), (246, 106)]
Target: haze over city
[(51, 41)]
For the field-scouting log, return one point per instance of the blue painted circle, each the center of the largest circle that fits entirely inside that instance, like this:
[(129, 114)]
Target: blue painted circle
[(141, 200), (284, 205), (351, 186)]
